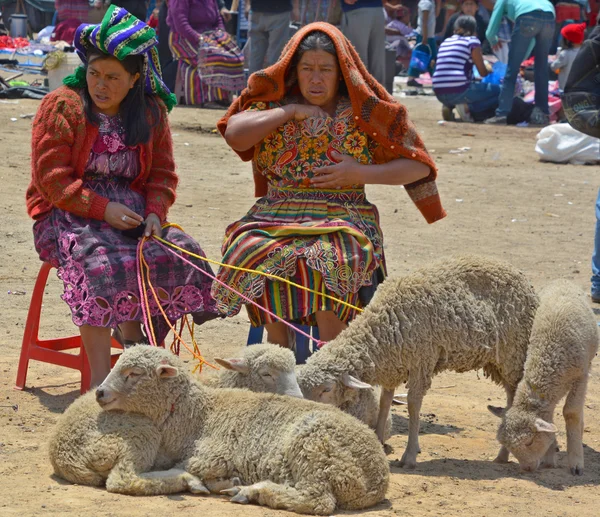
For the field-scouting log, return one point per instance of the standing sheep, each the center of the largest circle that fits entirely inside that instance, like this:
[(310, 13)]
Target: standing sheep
[(262, 368), (564, 340), (462, 313), (293, 454), (357, 398)]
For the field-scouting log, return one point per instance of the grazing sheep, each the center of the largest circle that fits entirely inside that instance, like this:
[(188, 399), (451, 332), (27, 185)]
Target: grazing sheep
[(352, 396), (564, 340), (90, 446), (293, 454), (461, 313), (262, 368)]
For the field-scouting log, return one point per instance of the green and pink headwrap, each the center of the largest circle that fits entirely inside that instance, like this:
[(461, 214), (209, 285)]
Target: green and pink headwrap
[(120, 34)]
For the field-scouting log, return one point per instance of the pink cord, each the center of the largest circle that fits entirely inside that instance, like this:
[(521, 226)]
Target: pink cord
[(245, 298), (145, 315)]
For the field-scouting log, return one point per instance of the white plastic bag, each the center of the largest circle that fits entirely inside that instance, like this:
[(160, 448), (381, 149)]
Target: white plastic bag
[(560, 143)]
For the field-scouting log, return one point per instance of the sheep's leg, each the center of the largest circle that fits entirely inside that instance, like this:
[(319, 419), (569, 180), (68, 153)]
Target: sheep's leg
[(216, 486), (504, 453), (313, 500), (210, 463), (172, 481), (414, 399), (385, 403), (573, 414)]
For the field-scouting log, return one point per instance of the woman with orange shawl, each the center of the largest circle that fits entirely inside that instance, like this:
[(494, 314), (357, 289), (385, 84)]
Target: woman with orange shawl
[(317, 128)]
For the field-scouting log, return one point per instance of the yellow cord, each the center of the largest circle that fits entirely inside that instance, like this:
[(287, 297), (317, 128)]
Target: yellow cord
[(252, 271), (143, 265)]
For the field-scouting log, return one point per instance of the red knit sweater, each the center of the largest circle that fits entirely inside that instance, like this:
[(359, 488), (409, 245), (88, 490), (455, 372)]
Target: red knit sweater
[(61, 144)]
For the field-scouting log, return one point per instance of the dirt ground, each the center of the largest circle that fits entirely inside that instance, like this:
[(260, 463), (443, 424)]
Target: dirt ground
[(501, 201)]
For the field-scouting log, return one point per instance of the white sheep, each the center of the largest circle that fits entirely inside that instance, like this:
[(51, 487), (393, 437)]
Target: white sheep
[(461, 313), (352, 396), (564, 340), (262, 368), (292, 454), (93, 447)]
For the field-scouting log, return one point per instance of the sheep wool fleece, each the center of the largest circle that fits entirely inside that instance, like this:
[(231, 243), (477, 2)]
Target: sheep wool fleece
[(564, 341), (461, 314), (290, 453)]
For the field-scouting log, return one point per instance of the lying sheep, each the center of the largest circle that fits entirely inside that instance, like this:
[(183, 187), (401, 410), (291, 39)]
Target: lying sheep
[(262, 368), (564, 340), (352, 396), (93, 447), (292, 454), (80, 438), (461, 313)]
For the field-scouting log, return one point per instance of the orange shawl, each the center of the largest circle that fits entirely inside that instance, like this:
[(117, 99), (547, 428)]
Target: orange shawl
[(377, 113)]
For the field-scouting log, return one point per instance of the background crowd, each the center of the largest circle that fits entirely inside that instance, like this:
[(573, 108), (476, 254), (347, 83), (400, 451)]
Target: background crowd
[(208, 48)]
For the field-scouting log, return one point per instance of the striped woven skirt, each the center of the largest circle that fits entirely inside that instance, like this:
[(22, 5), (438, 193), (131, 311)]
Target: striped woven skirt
[(328, 241), (211, 71)]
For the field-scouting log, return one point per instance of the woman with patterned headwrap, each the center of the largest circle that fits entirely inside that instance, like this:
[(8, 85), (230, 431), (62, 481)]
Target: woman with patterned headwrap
[(103, 174), (317, 128)]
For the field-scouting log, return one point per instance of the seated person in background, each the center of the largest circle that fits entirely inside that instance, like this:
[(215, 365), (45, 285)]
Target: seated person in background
[(397, 28), (211, 66), (453, 82), (572, 38), (300, 123), (102, 162), (468, 8), (70, 14)]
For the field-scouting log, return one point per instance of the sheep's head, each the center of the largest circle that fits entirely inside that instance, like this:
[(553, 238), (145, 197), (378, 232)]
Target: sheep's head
[(525, 435), (328, 388), (265, 368), (142, 381)]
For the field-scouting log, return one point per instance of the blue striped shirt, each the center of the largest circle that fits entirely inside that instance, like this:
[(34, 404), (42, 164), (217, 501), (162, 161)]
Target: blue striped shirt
[(454, 65)]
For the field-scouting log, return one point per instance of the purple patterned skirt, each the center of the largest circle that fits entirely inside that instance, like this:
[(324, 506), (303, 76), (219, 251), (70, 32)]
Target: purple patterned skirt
[(98, 264)]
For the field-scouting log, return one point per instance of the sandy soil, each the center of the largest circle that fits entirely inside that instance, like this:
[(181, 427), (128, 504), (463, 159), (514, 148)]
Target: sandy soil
[(501, 201)]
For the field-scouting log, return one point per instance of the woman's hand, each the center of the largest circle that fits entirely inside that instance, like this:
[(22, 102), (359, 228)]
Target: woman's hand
[(153, 226), (225, 14), (121, 217), (304, 111), (345, 173)]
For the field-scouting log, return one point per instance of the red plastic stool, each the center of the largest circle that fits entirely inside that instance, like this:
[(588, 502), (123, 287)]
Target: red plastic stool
[(51, 350)]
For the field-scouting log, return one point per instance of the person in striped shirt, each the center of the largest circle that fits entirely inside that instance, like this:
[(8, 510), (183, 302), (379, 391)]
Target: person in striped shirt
[(453, 82)]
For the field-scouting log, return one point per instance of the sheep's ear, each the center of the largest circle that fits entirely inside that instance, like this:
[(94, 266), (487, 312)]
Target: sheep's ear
[(237, 365), (165, 371), (545, 427), (497, 411), (353, 382)]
